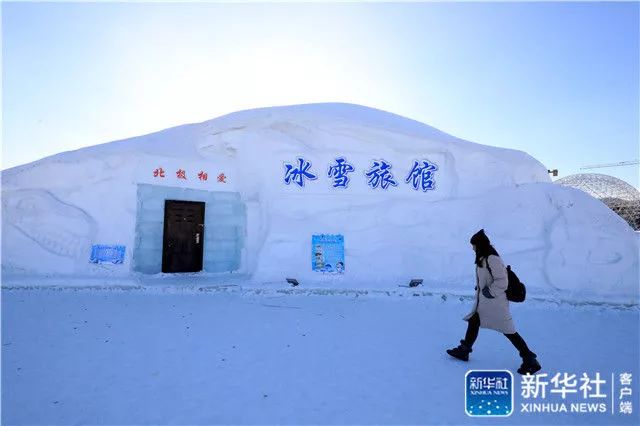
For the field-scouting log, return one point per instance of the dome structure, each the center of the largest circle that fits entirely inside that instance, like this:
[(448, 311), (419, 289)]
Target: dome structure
[(337, 196), (617, 194)]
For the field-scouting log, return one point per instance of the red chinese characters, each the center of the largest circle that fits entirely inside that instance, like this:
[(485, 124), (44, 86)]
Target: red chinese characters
[(202, 175)]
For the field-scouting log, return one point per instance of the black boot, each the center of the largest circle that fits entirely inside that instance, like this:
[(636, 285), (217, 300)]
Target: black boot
[(461, 352), (530, 364)]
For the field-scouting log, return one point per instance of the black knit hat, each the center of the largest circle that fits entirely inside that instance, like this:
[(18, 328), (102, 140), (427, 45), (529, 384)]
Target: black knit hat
[(480, 239)]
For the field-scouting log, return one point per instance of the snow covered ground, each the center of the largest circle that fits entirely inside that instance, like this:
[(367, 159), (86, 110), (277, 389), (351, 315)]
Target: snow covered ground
[(151, 356)]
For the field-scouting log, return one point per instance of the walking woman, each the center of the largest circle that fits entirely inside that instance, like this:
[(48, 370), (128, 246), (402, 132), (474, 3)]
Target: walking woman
[(491, 309)]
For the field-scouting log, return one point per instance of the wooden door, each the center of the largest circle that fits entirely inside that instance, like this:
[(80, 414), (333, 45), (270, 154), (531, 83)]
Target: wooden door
[(183, 238)]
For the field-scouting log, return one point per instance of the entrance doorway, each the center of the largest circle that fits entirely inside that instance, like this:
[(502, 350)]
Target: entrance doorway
[(183, 237)]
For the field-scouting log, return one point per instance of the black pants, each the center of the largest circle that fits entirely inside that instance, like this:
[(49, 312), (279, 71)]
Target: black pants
[(474, 327)]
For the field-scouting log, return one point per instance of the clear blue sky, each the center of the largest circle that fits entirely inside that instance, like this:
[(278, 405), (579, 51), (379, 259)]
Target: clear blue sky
[(558, 80)]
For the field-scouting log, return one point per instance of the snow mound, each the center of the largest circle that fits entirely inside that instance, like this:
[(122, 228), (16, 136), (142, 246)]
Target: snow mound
[(559, 240)]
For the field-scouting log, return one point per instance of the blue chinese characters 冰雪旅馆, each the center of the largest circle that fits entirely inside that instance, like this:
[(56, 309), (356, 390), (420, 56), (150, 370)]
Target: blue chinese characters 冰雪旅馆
[(338, 171), (298, 174)]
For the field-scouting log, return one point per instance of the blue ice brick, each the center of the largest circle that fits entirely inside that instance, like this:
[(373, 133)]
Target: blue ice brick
[(221, 233), (225, 196), (220, 209), (225, 221), (224, 266), (220, 255)]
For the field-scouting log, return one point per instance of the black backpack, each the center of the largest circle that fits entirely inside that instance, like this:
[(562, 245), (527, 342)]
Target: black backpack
[(516, 291)]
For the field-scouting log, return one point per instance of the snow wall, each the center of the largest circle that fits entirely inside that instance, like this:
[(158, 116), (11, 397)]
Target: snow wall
[(559, 240)]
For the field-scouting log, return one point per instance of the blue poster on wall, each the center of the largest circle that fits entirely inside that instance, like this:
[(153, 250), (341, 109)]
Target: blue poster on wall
[(101, 253), (327, 253)]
